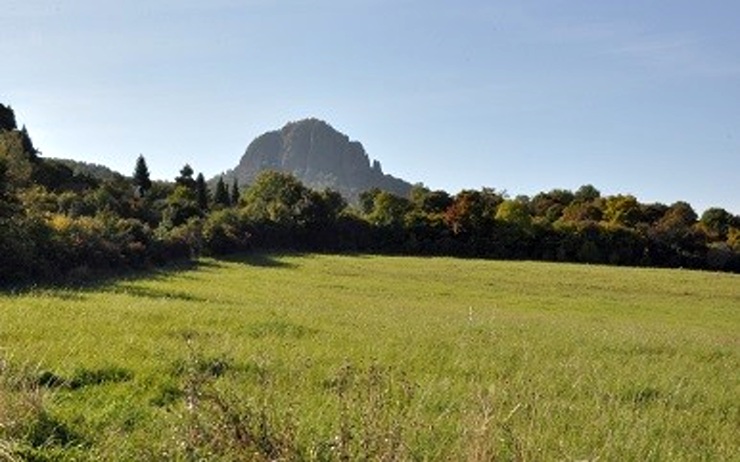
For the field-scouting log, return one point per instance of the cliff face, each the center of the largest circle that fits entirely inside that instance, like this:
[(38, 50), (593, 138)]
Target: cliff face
[(320, 157)]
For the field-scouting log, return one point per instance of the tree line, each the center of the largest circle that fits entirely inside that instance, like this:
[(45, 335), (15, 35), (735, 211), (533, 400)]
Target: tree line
[(60, 222)]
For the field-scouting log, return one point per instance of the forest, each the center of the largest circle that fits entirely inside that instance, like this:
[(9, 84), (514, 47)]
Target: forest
[(64, 221)]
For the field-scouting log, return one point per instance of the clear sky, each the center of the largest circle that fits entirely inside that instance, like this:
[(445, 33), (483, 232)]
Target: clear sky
[(638, 97)]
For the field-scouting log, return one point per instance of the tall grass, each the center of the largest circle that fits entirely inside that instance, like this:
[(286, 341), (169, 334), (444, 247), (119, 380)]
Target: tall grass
[(314, 357)]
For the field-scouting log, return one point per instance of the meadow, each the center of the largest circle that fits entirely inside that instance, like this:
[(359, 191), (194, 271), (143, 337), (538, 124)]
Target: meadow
[(322, 357)]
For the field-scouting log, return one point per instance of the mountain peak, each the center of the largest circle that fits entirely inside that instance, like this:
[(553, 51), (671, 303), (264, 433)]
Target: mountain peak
[(318, 155)]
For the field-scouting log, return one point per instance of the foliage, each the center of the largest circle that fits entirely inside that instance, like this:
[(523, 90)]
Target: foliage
[(221, 195), (65, 220), (202, 196), (141, 175), (7, 118), (235, 192)]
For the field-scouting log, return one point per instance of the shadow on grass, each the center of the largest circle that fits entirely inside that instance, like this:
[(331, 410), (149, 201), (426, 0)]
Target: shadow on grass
[(75, 285), (261, 259)]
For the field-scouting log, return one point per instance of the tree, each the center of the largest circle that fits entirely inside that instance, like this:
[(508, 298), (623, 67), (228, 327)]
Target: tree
[(141, 176), (28, 146), (275, 197), (389, 209), (622, 210), (716, 221), (514, 212), (235, 193), (473, 211), (201, 192), (7, 118), (652, 213), (587, 193), (429, 202), (581, 211), (367, 200), (550, 205), (679, 214), (186, 177), (221, 195)]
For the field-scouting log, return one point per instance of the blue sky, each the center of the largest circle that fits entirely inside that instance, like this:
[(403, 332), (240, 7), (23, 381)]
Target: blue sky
[(638, 97)]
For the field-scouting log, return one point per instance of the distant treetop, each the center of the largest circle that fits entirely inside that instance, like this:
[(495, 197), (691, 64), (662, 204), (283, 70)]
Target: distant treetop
[(7, 118)]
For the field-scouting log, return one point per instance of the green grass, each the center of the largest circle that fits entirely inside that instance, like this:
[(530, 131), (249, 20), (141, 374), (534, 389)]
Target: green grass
[(319, 357)]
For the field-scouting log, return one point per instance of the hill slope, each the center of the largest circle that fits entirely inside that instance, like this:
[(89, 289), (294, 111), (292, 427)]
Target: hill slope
[(319, 156)]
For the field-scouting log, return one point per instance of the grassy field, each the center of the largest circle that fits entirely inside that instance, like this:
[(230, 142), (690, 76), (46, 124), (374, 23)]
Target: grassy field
[(314, 357)]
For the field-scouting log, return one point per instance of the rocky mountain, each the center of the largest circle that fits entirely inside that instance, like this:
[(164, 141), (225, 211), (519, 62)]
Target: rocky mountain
[(319, 156)]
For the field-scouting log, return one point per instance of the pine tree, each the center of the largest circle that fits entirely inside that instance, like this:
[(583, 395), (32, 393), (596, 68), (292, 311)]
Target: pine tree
[(235, 193), (201, 192), (221, 196), (27, 144), (186, 177), (7, 118), (141, 175)]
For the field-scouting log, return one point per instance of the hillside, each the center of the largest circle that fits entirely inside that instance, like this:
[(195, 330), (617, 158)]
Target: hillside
[(320, 157)]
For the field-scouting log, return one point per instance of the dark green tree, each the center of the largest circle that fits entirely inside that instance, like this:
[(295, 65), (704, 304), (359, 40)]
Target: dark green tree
[(550, 205), (235, 192), (141, 176), (587, 193), (221, 195), (389, 209), (367, 200), (7, 118), (201, 192), (716, 221), (186, 177), (28, 146)]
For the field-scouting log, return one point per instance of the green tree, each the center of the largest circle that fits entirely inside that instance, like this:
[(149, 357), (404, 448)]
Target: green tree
[(141, 176), (186, 177), (622, 210), (652, 213), (514, 212), (430, 202), (550, 205), (275, 197), (182, 205), (389, 209), (716, 222), (28, 146), (7, 118), (221, 195), (201, 192), (679, 214), (367, 200), (235, 192), (578, 211), (586, 193)]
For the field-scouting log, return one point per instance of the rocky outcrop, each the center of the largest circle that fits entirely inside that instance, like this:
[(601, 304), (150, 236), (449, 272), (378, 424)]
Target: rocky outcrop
[(319, 156)]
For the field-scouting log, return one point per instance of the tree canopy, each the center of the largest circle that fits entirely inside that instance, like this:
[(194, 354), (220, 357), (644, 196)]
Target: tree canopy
[(57, 221)]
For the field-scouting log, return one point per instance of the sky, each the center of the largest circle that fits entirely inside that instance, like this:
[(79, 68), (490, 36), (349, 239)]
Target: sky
[(636, 97)]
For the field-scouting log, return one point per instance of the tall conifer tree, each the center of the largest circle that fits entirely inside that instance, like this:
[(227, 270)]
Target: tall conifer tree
[(221, 196), (201, 192), (235, 193), (141, 175)]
